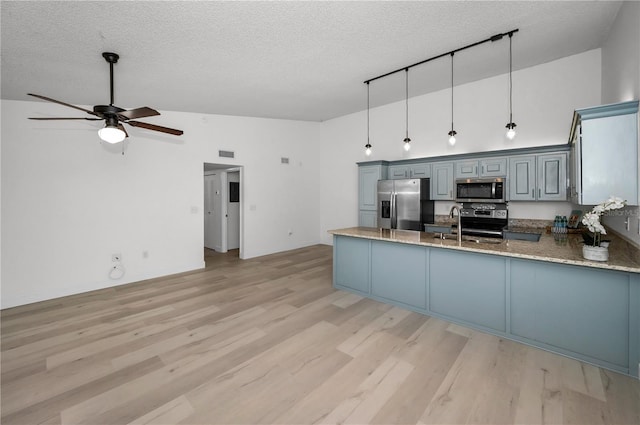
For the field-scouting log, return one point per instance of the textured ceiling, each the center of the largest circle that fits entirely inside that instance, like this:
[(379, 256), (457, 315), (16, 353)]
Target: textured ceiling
[(293, 60)]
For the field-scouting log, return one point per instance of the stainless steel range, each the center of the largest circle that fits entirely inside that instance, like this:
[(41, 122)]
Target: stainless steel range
[(484, 219)]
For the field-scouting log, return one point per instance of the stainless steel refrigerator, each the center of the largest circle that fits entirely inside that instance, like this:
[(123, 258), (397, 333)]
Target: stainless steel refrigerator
[(404, 204)]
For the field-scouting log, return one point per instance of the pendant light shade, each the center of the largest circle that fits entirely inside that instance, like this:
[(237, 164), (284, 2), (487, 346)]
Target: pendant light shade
[(511, 126), (407, 140), (367, 147), (452, 133)]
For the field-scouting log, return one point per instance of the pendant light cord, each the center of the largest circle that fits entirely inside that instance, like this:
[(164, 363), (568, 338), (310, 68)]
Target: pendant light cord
[(452, 91), (407, 99), (510, 82), (368, 143)]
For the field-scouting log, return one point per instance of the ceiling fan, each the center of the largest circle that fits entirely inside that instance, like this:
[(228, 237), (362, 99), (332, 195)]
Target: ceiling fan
[(113, 131)]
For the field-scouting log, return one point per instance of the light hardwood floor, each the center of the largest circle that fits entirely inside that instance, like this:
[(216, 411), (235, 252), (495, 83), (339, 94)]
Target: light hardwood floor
[(269, 340)]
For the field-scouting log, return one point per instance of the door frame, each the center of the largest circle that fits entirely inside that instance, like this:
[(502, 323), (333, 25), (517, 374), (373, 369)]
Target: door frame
[(224, 169)]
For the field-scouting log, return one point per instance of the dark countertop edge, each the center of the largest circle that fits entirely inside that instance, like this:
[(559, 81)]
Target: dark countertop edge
[(486, 249)]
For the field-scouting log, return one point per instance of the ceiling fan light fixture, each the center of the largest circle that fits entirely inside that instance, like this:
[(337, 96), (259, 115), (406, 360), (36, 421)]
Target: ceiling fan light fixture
[(111, 133)]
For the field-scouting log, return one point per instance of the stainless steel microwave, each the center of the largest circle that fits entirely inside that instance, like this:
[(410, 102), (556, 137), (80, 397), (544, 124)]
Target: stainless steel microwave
[(481, 190)]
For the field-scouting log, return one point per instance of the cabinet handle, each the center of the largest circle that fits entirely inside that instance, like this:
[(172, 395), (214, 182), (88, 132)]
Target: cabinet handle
[(533, 194), (539, 193), (475, 170), (451, 194)]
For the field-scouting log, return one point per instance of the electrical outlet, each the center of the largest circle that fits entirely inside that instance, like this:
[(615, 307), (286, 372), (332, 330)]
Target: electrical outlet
[(116, 258), (145, 254)]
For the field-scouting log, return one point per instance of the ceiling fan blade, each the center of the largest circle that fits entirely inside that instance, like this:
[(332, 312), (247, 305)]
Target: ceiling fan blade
[(121, 127), (156, 127), (143, 112), (62, 103), (47, 118)]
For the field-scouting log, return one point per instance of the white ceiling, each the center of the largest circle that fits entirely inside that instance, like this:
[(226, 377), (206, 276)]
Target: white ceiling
[(293, 60)]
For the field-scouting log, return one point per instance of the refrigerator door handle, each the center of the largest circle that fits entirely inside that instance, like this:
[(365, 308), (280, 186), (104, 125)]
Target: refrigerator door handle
[(394, 211)]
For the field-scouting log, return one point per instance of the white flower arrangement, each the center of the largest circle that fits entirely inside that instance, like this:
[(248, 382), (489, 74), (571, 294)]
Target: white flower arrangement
[(592, 218)]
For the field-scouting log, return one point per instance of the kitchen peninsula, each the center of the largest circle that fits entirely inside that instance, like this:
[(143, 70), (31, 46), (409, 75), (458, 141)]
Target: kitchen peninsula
[(538, 293)]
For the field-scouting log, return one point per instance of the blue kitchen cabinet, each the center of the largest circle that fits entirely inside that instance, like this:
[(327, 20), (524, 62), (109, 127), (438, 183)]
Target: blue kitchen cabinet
[(604, 153), (411, 171), (398, 273), (442, 181), (488, 167), (468, 287), (538, 177), (352, 265), (552, 177), (367, 218), (368, 177), (581, 311)]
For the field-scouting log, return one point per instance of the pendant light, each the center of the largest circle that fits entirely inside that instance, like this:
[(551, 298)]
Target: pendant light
[(406, 140), (452, 133), (511, 126), (367, 147)]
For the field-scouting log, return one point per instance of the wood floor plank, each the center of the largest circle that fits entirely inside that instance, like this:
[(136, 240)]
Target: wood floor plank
[(269, 340)]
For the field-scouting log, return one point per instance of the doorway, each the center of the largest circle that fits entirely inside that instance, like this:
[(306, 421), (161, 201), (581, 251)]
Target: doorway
[(223, 195)]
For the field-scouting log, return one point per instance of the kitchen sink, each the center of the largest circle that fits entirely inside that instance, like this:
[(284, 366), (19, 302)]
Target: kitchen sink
[(521, 236)]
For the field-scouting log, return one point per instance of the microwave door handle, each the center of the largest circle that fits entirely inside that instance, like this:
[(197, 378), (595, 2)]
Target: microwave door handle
[(493, 190)]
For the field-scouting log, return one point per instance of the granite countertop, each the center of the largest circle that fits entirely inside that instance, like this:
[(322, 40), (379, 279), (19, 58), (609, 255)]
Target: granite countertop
[(566, 250)]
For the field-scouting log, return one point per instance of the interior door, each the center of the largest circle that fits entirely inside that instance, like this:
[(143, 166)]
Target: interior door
[(209, 205), (233, 210)]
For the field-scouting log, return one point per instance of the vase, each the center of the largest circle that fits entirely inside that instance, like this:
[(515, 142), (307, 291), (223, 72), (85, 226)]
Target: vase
[(595, 253)]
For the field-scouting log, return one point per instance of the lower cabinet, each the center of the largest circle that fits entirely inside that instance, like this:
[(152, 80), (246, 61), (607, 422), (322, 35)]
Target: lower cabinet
[(584, 311), (398, 273), (468, 287), (351, 266)]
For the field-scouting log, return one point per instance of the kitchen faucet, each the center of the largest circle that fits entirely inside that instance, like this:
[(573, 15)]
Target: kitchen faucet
[(455, 207)]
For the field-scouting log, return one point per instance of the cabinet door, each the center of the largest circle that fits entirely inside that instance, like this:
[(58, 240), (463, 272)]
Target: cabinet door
[(466, 169), (522, 178), (368, 177), (442, 181), (575, 174), (609, 155), (367, 218), (579, 309), (420, 171), (398, 273), (468, 287), (398, 172), (493, 167), (352, 267), (552, 177)]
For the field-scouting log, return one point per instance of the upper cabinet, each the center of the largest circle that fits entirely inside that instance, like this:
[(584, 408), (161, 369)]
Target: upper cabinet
[(538, 177), (442, 181), (413, 171), (490, 167), (604, 153)]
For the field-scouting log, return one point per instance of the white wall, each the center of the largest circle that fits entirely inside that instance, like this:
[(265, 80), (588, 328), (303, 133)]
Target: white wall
[(621, 82), (68, 202), (544, 98)]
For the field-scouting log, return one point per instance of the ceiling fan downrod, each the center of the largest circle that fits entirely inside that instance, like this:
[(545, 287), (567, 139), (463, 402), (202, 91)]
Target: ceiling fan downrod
[(111, 58)]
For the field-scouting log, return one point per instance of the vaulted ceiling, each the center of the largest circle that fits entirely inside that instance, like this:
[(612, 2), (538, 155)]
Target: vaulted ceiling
[(292, 60)]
